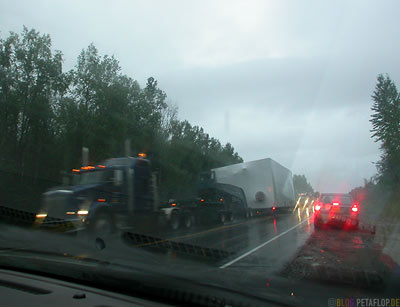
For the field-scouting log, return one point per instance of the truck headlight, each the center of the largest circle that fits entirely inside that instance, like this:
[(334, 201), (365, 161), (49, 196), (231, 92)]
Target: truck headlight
[(83, 212)]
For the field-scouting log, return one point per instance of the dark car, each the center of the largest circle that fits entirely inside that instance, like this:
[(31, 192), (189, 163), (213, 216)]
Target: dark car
[(336, 209)]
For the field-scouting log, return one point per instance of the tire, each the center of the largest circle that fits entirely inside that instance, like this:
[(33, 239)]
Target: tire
[(231, 217), (174, 222), (222, 218), (103, 225), (188, 221)]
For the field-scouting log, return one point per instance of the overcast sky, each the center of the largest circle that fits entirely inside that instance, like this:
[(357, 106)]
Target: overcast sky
[(289, 80)]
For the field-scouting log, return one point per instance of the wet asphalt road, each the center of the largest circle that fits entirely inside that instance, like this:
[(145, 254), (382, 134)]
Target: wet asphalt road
[(266, 241), (261, 251)]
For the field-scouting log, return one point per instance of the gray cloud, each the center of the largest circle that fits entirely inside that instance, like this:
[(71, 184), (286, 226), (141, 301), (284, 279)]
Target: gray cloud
[(283, 79)]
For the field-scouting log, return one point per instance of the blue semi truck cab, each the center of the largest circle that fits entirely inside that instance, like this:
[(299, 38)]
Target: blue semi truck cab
[(115, 194)]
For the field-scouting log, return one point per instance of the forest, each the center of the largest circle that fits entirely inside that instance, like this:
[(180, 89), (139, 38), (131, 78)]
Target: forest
[(48, 114)]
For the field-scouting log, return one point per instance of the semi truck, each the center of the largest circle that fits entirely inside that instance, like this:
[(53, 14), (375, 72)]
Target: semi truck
[(122, 193), (267, 185)]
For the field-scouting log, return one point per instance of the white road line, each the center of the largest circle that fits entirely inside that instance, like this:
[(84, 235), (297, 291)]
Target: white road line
[(258, 247)]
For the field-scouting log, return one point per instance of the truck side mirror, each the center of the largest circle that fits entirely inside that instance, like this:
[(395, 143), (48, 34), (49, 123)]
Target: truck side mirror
[(118, 177)]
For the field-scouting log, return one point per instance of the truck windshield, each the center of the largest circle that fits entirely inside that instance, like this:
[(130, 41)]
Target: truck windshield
[(94, 177)]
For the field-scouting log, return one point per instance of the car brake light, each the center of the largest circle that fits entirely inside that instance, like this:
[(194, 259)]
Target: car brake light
[(317, 207), (335, 204), (273, 208), (355, 208)]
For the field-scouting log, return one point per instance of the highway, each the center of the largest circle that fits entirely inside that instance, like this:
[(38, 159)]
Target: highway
[(270, 250)]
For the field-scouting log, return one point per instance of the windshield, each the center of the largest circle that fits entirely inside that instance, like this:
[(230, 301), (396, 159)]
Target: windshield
[(249, 148), (94, 177), (343, 199)]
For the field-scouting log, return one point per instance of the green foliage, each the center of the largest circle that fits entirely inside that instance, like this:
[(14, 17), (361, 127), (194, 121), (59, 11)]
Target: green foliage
[(386, 128), (47, 116), (301, 185)]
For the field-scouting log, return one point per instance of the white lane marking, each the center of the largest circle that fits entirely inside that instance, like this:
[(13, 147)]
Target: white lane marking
[(258, 247)]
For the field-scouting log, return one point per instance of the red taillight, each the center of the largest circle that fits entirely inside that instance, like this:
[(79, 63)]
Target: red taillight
[(173, 205), (273, 208), (202, 200), (335, 204), (101, 200), (221, 200), (355, 208), (317, 205)]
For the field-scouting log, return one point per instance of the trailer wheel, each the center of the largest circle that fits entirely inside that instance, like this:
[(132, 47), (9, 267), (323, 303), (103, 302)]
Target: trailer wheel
[(103, 225), (188, 221), (174, 221)]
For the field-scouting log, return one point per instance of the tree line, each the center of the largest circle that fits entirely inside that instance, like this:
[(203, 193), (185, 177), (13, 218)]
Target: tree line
[(47, 115), (385, 119)]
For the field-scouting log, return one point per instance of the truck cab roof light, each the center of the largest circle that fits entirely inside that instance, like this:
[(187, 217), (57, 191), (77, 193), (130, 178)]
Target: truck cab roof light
[(87, 167)]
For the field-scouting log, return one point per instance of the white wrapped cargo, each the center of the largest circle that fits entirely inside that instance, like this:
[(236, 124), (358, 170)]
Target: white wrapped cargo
[(265, 183)]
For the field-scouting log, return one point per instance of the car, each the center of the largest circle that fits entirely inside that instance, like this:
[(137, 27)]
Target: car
[(336, 209)]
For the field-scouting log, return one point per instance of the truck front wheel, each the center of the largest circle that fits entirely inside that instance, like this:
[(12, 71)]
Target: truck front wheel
[(188, 221), (175, 220), (103, 225)]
